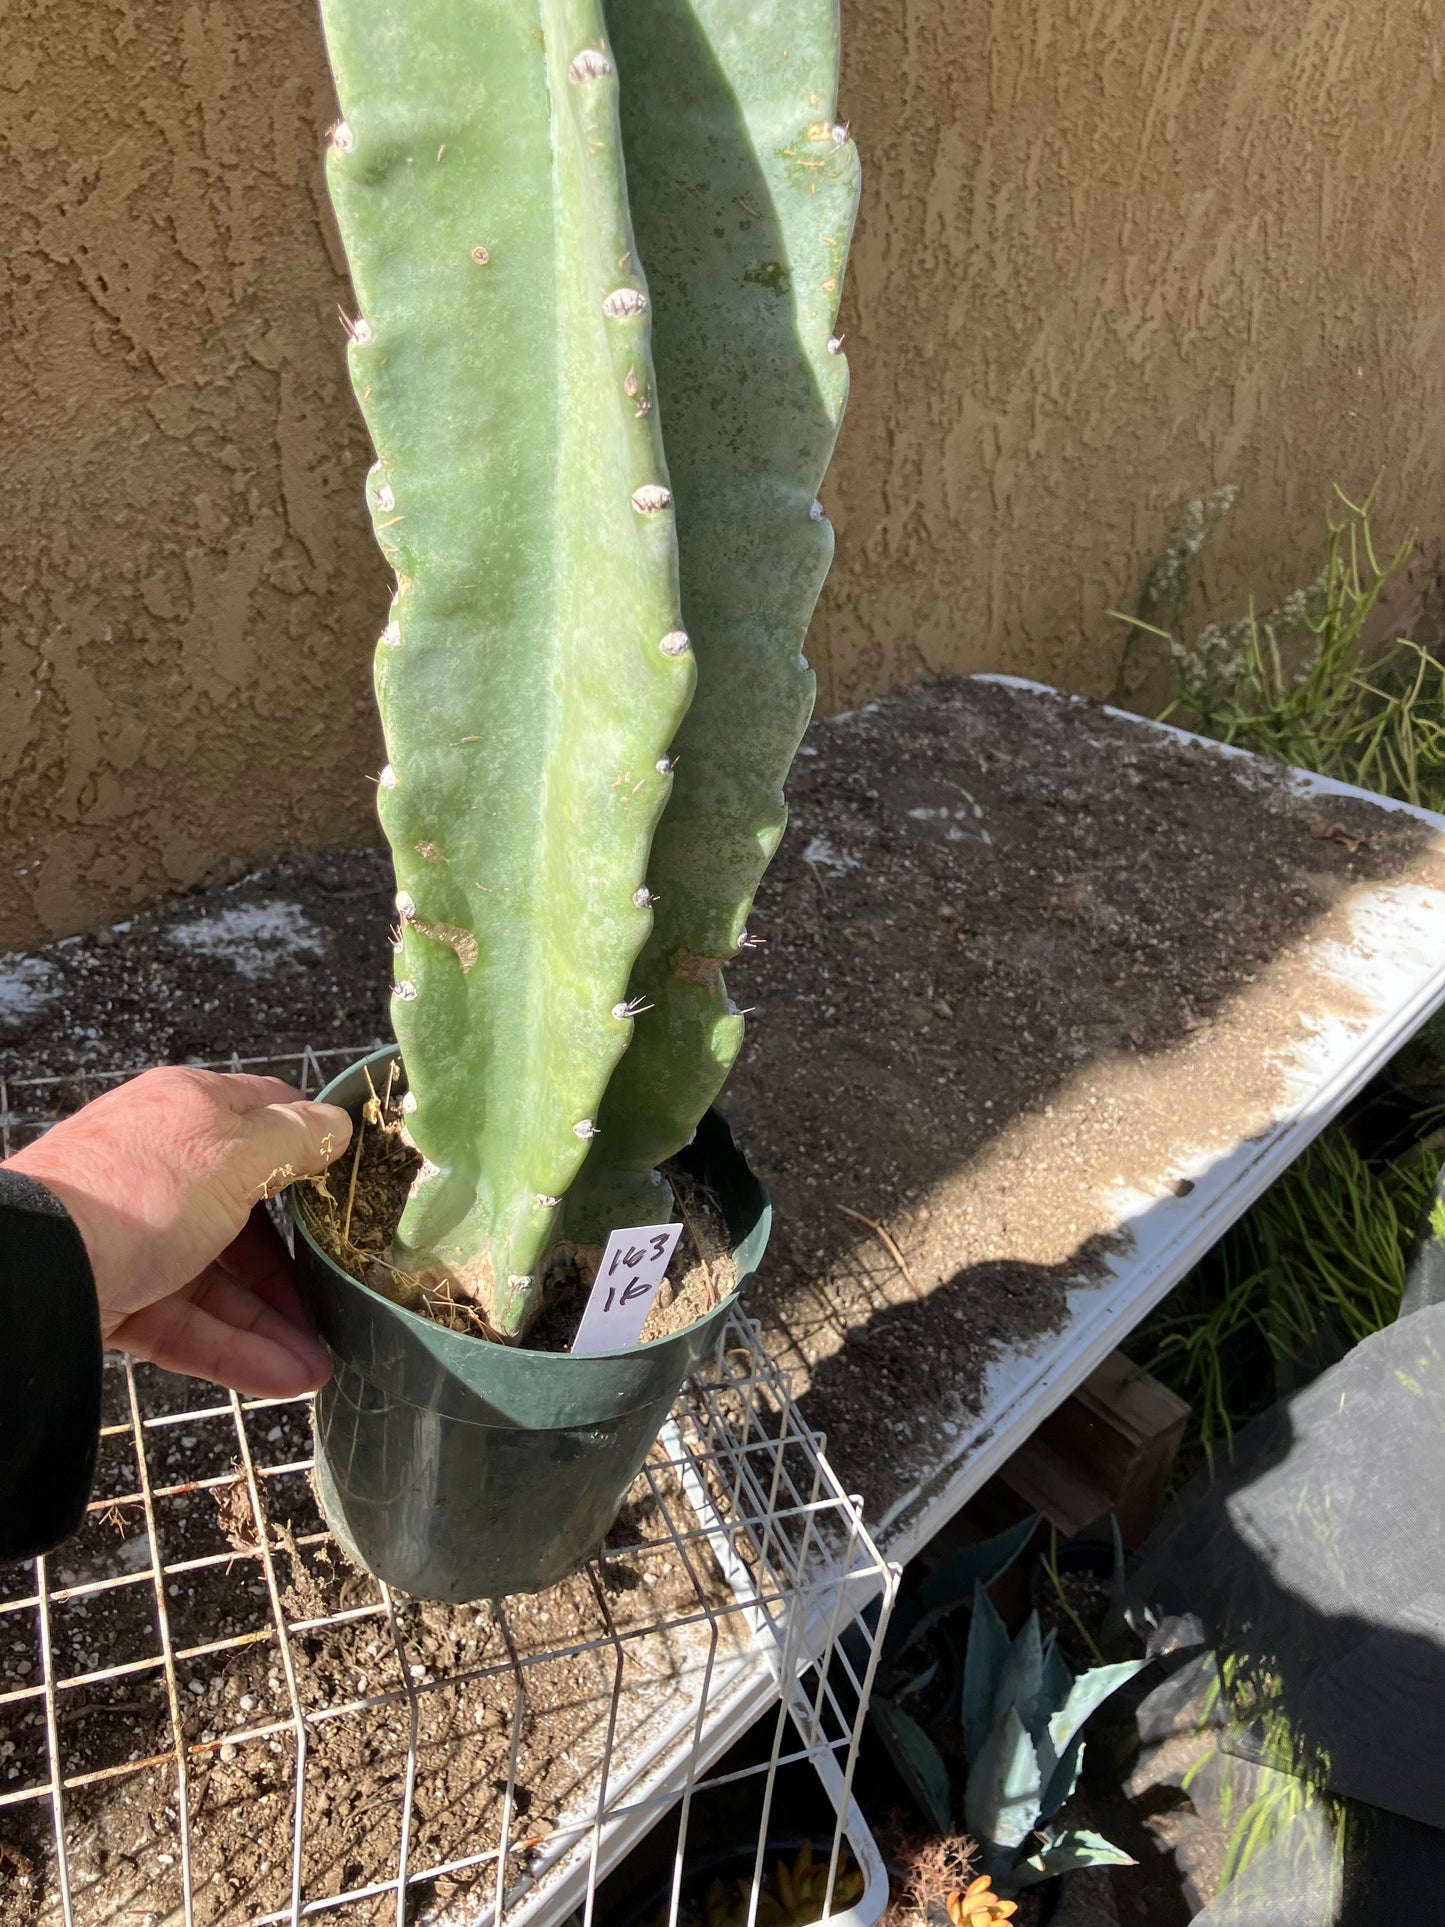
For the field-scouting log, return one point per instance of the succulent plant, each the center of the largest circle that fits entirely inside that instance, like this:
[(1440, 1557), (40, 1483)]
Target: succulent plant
[(977, 1905), (791, 1896), (597, 279), (1024, 1713)]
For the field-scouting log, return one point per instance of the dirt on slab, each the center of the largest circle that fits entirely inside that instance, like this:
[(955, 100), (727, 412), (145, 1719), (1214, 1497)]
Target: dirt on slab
[(1020, 953), (535, 1673)]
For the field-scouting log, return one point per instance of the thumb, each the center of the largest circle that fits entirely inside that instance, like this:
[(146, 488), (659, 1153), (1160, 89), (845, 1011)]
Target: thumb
[(286, 1141)]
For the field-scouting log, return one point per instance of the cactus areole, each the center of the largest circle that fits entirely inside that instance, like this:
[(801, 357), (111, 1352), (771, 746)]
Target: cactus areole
[(596, 264)]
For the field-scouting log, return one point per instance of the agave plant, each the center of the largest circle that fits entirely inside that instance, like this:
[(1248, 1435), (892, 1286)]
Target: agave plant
[(597, 263), (1023, 1713)]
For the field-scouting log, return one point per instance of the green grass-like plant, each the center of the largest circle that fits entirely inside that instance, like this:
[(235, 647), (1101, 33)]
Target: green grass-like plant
[(1300, 683), (1319, 1263), (1315, 1266)]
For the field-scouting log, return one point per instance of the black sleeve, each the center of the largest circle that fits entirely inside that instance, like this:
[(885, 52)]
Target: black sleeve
[(49, 1370)]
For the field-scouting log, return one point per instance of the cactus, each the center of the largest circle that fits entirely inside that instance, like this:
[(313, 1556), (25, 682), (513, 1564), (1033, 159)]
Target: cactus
[(536, 668), (746, 254)]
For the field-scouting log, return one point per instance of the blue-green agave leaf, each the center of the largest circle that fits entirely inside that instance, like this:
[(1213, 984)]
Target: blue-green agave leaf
[(984, 1658), (917, 1759), (1068, 1853), (1001, 1800)]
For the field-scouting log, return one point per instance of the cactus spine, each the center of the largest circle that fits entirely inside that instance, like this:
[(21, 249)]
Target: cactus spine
[(536, 669)]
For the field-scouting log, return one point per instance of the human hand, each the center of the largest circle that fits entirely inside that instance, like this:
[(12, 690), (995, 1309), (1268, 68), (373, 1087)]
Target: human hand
[(164, 1177)]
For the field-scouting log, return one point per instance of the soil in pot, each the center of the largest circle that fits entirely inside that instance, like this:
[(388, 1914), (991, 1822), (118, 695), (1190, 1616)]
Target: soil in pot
[(353, 1213), (1074, 1598)]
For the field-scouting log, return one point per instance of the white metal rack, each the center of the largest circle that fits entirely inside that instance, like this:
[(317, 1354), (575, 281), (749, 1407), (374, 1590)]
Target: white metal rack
[(202, 1644)]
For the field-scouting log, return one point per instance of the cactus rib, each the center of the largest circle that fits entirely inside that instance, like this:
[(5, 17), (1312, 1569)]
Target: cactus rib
[(743, 191), (535, 669)]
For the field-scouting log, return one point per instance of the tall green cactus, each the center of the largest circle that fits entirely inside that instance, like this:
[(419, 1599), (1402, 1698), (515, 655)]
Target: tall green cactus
[(536, 669)]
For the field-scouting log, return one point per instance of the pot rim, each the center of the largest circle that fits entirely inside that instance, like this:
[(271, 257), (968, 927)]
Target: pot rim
[(426, 1329)]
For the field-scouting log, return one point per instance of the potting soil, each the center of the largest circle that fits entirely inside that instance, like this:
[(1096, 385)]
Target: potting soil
[(354, 1211)]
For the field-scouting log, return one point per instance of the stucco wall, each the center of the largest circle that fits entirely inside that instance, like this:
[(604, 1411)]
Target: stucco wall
[(1109, 255)]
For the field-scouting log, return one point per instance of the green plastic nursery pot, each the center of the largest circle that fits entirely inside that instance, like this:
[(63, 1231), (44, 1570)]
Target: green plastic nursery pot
[(455, 1469)]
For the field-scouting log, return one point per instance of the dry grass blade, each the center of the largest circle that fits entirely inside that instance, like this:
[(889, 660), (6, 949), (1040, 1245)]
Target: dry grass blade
[(885, 1238)]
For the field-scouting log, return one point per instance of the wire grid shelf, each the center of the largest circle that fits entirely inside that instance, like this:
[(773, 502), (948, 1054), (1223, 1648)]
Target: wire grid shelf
[(207, 1716)]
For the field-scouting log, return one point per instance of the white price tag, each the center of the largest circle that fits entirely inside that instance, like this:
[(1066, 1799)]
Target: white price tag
[(627, 1279)]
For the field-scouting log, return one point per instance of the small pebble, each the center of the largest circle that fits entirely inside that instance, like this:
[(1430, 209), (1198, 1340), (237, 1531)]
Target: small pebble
[(273, 1435)]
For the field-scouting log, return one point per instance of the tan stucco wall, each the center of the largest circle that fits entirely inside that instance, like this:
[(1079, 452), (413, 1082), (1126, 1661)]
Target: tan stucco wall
[(1110, 254)]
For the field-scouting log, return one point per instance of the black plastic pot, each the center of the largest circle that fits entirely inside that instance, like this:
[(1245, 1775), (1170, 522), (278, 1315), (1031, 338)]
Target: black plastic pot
[(1050, 1895), (455, 1469)]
